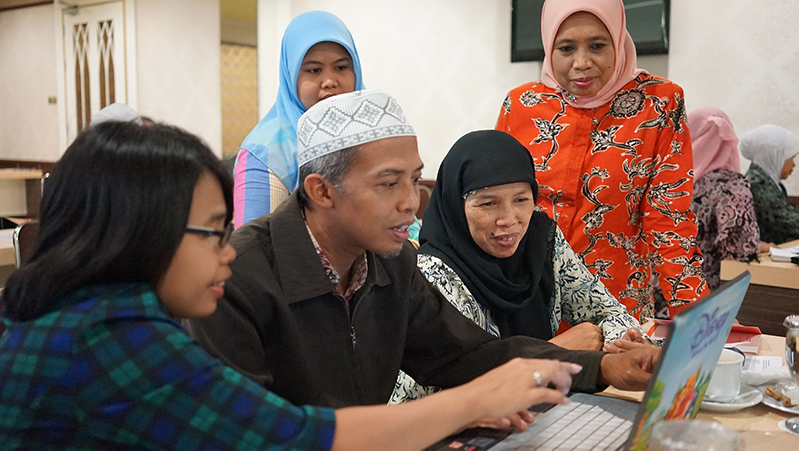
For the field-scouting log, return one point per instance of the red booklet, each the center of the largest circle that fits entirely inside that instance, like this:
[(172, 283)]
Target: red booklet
[(745, 338)]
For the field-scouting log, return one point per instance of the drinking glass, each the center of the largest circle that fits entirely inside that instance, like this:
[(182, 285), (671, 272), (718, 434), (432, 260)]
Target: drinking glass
[(693, 435), (792, 359)]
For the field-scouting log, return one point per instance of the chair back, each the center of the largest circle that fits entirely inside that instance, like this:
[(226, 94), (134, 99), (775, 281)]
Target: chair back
[(23, 238), (425, 190), (229, 161)]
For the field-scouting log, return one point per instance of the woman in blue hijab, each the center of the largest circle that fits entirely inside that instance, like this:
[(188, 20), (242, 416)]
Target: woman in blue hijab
[(318, 59)]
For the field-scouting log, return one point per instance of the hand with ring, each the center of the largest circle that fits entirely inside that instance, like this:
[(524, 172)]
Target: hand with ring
[(537, 378), (520, 384)]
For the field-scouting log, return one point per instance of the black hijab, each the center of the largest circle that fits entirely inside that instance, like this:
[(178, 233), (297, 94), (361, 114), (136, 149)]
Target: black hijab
[(517, 290)]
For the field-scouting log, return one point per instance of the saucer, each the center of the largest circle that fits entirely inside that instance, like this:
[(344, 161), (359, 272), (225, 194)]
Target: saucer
[(748, 397), (773, 403)]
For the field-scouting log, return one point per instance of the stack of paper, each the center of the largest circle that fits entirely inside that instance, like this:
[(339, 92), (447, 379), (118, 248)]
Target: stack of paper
[(783, 255)]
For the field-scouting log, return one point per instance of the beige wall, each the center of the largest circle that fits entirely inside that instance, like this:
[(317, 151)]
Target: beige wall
[(178, 61), (28, 123), (178, 45), (446, 61), (239, 95), (740, 56)]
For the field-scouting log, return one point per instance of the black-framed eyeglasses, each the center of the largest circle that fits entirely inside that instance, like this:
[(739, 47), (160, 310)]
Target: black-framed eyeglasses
[(224, 235)]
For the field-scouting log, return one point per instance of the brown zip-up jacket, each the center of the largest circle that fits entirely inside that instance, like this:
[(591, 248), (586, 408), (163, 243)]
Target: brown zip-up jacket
[(283, 324)]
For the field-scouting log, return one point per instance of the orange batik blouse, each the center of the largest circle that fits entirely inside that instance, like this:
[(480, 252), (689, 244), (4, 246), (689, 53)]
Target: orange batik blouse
[(618, 180)]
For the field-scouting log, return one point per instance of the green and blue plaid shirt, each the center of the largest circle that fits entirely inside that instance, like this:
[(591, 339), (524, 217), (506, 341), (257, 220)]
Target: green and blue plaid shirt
[(112, 369)]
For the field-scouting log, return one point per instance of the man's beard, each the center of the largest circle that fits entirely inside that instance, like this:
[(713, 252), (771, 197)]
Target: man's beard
[(388, 254)]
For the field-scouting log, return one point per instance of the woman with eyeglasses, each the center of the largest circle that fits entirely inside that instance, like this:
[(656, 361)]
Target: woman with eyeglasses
[(135, 223)]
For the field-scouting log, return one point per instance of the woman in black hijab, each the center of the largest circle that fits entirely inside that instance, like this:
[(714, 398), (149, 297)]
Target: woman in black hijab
[(503, 264)]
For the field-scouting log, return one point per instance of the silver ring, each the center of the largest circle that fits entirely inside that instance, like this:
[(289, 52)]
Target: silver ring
[(538, 381)]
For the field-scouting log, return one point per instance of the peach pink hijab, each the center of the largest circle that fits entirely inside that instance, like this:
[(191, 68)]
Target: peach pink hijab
[(611, 13), (715, 145)]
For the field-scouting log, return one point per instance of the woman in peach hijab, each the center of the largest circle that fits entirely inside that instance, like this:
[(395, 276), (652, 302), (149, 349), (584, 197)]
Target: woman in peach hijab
[(722, 201), (612, 154)]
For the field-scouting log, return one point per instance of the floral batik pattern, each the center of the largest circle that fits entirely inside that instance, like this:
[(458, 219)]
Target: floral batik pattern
[(579, 297), (726, 219), (618, 180)]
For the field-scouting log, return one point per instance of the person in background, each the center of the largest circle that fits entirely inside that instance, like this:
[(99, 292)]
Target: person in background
[(116, 112), (318, 59), (135, 224), (772, 149), (612, 154), (326, 303), (504, 265), (722, 202)]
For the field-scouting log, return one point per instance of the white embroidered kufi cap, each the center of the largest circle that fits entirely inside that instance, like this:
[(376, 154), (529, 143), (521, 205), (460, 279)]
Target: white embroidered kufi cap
[(348, 120)]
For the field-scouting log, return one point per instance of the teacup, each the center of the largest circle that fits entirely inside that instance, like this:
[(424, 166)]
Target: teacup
[(726, 381)]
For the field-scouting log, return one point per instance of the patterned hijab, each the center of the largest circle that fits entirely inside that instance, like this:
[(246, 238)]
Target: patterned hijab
[(277, 131), (611, 13), (769, 146), (518, 289), (714, 143)]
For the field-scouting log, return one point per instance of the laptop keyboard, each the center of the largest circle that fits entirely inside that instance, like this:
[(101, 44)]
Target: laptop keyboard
[(586, 423)]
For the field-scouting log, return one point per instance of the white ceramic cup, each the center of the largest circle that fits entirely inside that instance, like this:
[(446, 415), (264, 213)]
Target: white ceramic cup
[(726, 381)]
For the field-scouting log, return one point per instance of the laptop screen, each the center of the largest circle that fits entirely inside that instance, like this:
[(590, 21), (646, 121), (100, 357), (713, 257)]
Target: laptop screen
[(681, 377), (676, 389)]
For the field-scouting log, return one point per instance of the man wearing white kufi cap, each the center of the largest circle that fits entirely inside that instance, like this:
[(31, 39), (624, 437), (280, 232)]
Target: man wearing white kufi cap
[(326, 304), (358, 118)]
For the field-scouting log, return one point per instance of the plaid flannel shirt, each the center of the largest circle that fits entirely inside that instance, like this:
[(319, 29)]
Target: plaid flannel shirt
[(111, 369)]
